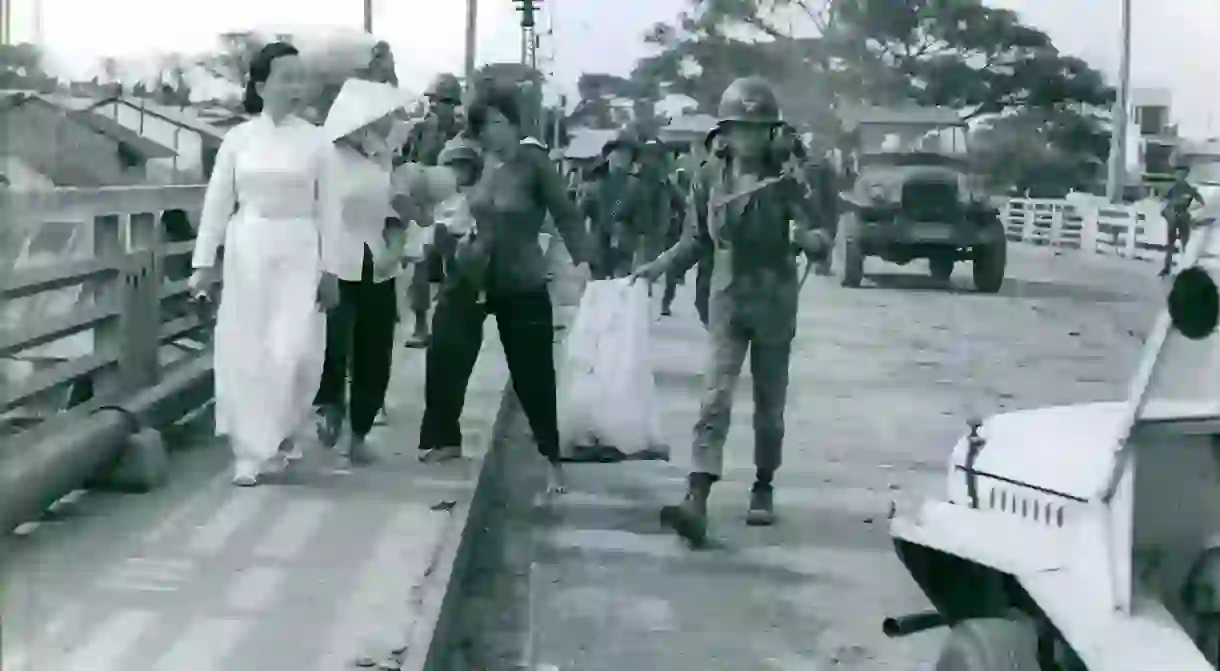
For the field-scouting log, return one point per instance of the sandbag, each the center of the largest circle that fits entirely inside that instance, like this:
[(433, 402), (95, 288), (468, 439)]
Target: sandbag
[(607, 396)]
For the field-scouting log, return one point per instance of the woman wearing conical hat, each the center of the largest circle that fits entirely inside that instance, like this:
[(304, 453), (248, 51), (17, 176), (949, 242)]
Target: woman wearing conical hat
[(368, 251)]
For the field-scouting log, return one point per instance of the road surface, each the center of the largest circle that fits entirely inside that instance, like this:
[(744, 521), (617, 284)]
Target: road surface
[(883, 380)]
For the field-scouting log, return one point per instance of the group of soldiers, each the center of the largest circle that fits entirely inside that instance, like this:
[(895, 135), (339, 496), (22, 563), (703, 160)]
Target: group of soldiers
[(636, 197), (743, 215)]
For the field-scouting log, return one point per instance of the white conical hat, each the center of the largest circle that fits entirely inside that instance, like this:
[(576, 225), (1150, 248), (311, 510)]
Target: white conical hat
[(359, 104)]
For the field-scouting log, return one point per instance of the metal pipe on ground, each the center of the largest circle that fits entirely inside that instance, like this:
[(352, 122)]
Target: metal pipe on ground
[(35, 475)]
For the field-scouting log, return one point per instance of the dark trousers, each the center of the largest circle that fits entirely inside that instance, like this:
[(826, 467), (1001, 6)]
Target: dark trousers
[(432, 269), (526, 327), (703, 287), (360, 342)]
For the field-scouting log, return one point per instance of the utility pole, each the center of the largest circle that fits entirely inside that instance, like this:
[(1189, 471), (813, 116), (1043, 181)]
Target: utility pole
[(472, 28), (368, 16), (1118, 140), (5, 10), (529, 42), (38, 23)]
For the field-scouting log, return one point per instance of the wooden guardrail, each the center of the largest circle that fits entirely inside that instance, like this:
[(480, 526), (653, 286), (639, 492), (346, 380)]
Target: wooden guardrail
[(111, 295)]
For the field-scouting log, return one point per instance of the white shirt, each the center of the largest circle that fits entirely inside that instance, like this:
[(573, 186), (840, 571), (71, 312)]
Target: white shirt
[(364, 188), (273, 172)]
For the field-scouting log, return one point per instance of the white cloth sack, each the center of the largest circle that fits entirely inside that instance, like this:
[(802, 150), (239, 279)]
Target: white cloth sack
[(418, 240), (607, 404)]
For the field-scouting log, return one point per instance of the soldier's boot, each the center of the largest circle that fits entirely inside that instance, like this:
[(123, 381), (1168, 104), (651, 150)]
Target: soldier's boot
[(689, 518), (667, 299), (421, 335), (762, 505)]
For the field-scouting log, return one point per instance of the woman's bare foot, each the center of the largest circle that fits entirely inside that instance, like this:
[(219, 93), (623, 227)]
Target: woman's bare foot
[(556, 480), (437, 455)]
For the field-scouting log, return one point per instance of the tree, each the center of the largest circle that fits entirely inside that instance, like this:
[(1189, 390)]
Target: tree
[(597, 92), (1046, 152), (717, 41), (232, 61), (959, 54)]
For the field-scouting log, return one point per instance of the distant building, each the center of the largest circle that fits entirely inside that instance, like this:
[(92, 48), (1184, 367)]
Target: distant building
[(69, 146)]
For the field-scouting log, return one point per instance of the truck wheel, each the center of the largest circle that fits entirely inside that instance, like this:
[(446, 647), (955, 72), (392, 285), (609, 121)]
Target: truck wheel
[(990, 644), (941, 267), (853, 264), (989, 263)]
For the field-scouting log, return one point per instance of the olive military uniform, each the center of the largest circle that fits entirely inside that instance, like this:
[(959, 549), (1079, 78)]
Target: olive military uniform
[(424, 145), (1179, 199), (752, 302)]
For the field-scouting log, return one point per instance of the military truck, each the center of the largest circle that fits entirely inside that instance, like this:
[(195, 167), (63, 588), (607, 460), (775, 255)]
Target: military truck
[(913, 197)]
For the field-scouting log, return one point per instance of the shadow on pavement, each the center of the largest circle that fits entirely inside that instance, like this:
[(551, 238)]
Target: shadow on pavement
[(1013, 288)]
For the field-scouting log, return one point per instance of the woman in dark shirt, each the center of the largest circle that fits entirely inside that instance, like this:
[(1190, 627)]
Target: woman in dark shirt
[(500, 270)]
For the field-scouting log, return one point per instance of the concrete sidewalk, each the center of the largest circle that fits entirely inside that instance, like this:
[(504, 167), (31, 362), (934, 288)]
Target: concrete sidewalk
[(322, 572)]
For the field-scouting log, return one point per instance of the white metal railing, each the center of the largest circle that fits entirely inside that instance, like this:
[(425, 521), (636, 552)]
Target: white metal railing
[(1089, 225)]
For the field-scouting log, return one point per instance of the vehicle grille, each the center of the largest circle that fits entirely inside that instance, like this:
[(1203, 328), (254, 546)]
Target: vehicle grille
[(1029, 506), (930, 200)]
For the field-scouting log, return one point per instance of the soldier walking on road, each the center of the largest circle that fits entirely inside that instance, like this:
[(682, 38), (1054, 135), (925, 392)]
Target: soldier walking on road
[(424, 146), (619, 154), (741, 209), (1178, 202), (642, 211)]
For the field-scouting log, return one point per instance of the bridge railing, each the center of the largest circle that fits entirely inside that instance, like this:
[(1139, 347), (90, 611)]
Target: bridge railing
[(1136, 232), (99, 344)]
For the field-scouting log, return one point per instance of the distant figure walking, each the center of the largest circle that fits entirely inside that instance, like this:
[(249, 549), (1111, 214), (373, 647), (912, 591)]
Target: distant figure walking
[(271, 204)]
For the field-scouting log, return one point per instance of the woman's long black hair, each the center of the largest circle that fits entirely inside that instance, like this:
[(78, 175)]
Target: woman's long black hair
[(492, 94), (260, 71)]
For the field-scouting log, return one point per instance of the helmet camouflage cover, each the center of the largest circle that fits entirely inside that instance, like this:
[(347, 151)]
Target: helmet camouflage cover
[(445, 87), (749, 100)]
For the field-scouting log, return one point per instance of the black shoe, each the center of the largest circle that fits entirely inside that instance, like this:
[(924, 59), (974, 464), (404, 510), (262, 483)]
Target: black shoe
[(689, 518), (762, 506), (665, 311)]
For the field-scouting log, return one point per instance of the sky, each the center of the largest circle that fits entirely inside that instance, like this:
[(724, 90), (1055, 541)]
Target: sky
[(1175, 43)]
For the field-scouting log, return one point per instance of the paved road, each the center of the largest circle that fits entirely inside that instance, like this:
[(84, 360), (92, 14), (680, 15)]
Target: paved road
[(883, 380), (203, 576)]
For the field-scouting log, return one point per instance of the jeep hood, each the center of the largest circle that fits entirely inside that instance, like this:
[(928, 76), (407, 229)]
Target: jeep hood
[(1068, 448)]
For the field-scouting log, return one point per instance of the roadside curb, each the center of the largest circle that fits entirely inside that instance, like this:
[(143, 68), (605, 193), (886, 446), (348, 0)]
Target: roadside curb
[(430, 644)]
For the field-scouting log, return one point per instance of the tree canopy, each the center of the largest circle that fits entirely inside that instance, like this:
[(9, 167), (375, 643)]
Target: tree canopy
[(981, 61)]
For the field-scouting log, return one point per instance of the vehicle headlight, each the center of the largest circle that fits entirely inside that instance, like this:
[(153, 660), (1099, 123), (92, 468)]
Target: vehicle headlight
[(878, 192)]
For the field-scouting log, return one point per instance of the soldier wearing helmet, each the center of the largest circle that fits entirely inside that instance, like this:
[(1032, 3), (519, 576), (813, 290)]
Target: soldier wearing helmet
[(424, 145), (618, 157), (741, 209), (1178, 201), (642, 211)]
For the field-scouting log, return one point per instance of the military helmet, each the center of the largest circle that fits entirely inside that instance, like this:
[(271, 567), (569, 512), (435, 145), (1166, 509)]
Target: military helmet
[(458, 149), (625, 139), (445, 87), (749, 100)]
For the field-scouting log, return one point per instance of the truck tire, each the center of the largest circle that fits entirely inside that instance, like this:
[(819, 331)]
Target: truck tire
[(990, 261), (990, 644), (941, 267)]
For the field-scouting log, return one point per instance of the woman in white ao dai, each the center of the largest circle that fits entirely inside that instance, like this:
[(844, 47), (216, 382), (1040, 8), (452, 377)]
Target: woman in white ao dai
[(271, 205)]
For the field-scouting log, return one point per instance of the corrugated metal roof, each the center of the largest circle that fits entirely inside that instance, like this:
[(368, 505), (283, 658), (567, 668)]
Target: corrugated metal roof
[(912, 114), (588, 142)]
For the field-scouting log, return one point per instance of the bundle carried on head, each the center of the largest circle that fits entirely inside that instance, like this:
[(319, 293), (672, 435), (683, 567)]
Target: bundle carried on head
[(335, 55)]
